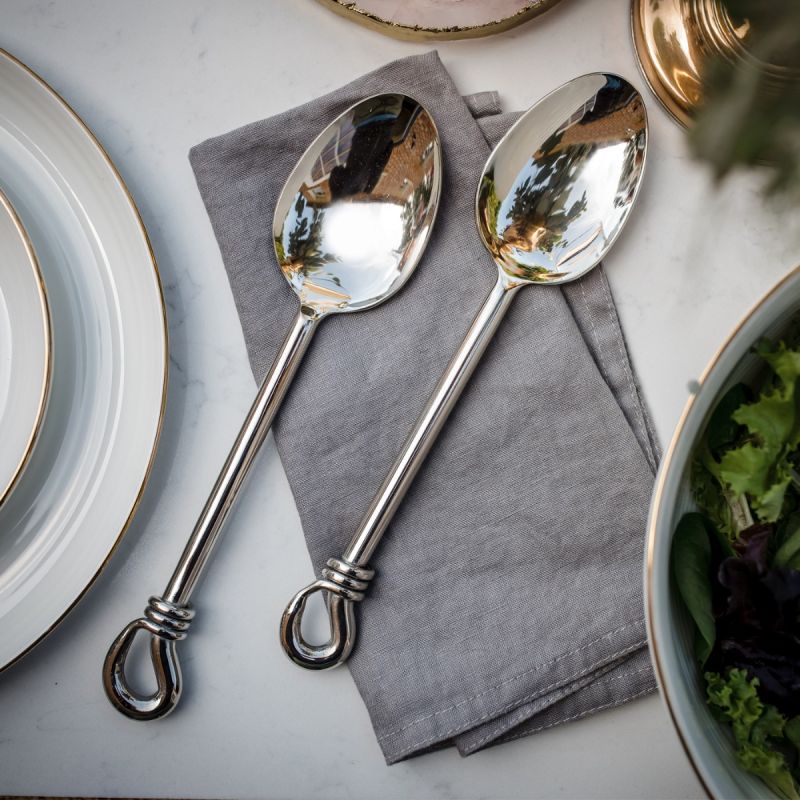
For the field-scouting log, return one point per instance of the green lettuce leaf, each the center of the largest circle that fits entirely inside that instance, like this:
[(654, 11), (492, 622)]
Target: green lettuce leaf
[(722, 429), (785, 362), (761, 468), (735, 699), (710, 497), (770, 725), (727, 509), (792, 732), (691, 566), (770, 766), (788, 552), (729, 512)]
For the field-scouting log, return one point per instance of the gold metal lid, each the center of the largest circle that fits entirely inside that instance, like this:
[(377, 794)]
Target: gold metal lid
[(676, 39)]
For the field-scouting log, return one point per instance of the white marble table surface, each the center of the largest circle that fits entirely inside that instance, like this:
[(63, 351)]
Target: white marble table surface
[(152, 78)]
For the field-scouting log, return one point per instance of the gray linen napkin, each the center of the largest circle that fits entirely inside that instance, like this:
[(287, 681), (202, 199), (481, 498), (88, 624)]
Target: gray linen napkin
[(508, 594)]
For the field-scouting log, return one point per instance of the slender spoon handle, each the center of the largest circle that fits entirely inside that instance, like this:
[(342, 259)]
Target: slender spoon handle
[(167, 618), (345, 579)]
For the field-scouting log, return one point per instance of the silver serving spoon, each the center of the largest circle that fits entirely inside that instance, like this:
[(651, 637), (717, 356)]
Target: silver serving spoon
[(350, 226), (553, 197)]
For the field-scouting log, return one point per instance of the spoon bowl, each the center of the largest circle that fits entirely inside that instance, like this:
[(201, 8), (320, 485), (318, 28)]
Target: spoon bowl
[(357, 210), (552, 199), (558, 188)]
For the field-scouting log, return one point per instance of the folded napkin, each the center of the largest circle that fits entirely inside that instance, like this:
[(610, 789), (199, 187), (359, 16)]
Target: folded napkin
[(508, 590)]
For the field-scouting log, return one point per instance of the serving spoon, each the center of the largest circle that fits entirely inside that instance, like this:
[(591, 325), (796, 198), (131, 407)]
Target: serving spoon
[(349, 228), (553, 197)]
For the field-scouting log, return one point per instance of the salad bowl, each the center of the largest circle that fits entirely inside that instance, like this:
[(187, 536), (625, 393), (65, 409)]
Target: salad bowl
[(707, 742)]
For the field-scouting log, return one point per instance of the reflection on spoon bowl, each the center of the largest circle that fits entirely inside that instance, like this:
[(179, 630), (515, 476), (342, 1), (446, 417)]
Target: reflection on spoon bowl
[(358, 207), (581, 151)]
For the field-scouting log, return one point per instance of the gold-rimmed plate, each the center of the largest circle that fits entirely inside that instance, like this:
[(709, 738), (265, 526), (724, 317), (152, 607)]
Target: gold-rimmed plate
[(432, 20), (24, 348), (109, 344)]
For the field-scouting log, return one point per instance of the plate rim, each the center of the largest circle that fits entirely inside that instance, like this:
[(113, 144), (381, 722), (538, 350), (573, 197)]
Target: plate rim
[(44, 395), (137, 217), (350, 10)]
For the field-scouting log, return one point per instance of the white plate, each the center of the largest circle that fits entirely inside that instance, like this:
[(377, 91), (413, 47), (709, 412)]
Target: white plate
[(24, 348), (85, 476)]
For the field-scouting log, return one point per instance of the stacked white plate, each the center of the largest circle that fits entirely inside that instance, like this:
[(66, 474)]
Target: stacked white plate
[(25, 341), (83, 358)]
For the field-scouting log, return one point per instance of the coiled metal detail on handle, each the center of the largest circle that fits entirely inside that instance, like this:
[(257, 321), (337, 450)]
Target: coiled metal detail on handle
[(167, 623), (344, 584), (348, 580), (168, 620)]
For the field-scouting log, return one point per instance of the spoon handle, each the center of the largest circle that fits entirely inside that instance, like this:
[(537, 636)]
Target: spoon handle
[(167, 618), (345, 579)]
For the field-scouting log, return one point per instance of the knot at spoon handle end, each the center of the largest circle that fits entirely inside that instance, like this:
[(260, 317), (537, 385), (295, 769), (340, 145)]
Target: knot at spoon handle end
[(166, 624), (344, 585)]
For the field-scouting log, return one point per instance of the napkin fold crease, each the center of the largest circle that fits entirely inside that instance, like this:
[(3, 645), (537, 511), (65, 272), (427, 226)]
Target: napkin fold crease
[(507, 598)]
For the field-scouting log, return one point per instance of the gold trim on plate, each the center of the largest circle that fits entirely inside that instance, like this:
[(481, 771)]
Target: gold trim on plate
[(48, 341), (351, 11), (149, 467), (655, 513)]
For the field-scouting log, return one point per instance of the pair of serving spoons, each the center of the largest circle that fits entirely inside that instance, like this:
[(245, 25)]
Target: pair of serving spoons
[(350, 226)]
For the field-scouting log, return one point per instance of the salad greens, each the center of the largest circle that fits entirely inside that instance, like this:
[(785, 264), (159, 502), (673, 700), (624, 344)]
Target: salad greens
[(691, 564), (757, 728), (736, 564)]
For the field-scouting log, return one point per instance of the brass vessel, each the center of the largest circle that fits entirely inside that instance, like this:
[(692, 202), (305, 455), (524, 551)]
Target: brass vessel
[(676, 40)]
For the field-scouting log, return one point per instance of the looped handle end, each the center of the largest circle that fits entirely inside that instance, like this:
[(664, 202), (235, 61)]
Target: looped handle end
[(344, 584), (166, 623)]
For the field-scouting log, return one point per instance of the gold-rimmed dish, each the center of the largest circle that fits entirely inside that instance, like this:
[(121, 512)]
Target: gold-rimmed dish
[(25, 348), (428, 20), (96, 445), (707, 743)]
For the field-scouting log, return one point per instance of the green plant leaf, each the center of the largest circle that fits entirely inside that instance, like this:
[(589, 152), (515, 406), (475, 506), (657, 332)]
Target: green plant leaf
[(771, 418), (722, 429), (770, 725), (784, 361), (691, 566), (770, 766), (735, 699), (761, 468), (792, 732), (788, 553), (747, 469), (729, 513), (770, 504)]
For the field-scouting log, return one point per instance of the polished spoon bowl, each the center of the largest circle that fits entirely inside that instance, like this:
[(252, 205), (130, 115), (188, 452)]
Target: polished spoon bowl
[(552, 199), (349, 228)]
